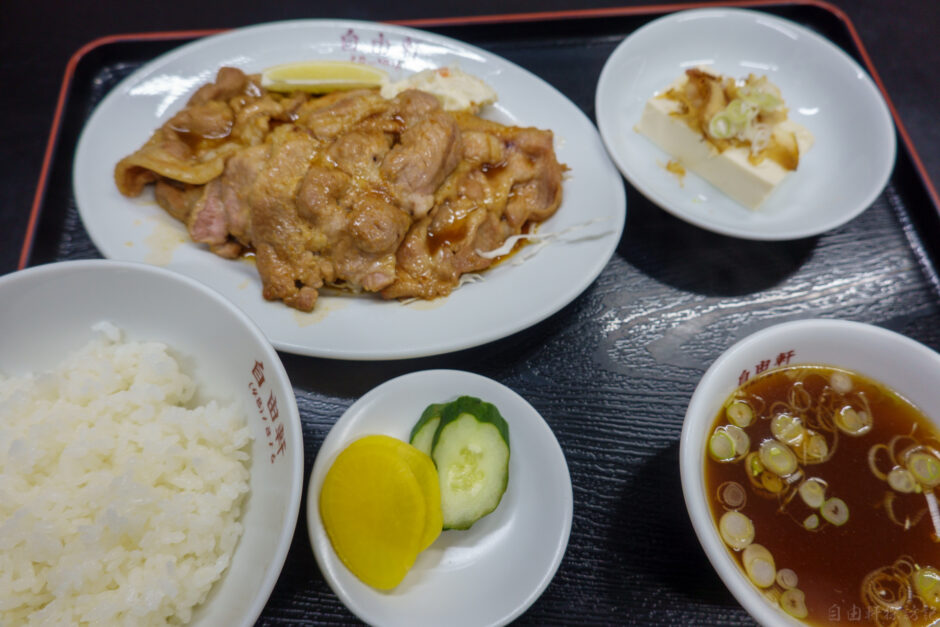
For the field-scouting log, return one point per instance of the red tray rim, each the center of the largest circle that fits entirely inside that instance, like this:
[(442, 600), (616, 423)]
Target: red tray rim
[(541, 16)]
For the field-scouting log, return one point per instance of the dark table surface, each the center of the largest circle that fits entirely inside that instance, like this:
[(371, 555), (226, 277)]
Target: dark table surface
[(613, 371)]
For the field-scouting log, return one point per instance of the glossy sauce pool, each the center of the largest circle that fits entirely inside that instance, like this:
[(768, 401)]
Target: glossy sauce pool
[(832, 561)]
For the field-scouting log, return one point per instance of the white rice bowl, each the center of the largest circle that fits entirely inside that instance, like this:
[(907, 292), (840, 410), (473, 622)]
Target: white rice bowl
[(140, 482)]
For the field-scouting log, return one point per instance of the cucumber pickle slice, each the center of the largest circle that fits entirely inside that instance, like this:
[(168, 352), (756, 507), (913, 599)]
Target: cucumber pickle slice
[(470, 448), (422, 434)]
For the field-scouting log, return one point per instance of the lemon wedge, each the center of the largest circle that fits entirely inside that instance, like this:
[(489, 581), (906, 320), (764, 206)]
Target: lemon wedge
[(322, 76)]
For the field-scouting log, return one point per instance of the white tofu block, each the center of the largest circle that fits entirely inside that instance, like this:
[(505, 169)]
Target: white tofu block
[(729, 171)]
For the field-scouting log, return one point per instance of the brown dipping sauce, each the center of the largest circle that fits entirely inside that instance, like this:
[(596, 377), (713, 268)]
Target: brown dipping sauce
[(879, 566)]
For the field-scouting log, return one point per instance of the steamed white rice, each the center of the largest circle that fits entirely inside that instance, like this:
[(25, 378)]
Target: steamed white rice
[(119, 502)]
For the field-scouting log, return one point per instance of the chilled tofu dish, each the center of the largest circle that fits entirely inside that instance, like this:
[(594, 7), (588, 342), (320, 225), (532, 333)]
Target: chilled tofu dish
[(735, 134)]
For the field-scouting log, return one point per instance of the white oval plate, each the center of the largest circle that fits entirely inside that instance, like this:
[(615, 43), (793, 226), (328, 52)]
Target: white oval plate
[(825, 91), (488, 574), (344, 326)]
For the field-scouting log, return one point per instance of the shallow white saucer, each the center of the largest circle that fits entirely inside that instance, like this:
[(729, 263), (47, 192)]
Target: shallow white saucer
[(488, 574), (825, 91)]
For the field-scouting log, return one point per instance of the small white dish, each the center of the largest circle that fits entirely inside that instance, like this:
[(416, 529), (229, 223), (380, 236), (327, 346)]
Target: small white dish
[(49, 311), (824, 88), (488, 574), (343, 326), (904, 365)]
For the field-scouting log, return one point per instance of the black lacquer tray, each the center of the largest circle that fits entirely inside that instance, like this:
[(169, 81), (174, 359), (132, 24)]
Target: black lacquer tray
[(613, 371)]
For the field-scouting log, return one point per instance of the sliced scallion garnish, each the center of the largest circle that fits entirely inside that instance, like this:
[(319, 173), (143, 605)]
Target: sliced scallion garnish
[(841, 382), (902, 480), (926, 584), (853, 421), (787, 579), (762, 100), (813, 492), (787, 428), (754, 465), (835, 511), (925, 468), (721, 446), (759, 565), (732, 495), (736, 530), (740, 112), (721, 126), (815, 448), (778, 458), (740, 414), (793, 602)]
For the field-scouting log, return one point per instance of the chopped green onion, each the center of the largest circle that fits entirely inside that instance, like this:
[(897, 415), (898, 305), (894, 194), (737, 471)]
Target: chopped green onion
[(759, 565), (777, 457), (772, 483), (835, 511), (926, 583), (813, 492), (925, 468), (815, 448), (840, 382), (728, 443), (853, 422), (740, 112), (741, 442), (734, 119), (721, 446), (787, 428), (740, 413), (787, 579), (793, 602), (721, 126), (736, 530), (902, 480), (811, 522), (732, 495), (763, 100), (753, 465)]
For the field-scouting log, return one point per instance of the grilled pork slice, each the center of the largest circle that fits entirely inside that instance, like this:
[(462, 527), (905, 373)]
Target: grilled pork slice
[(350, 189), (507, 178)]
